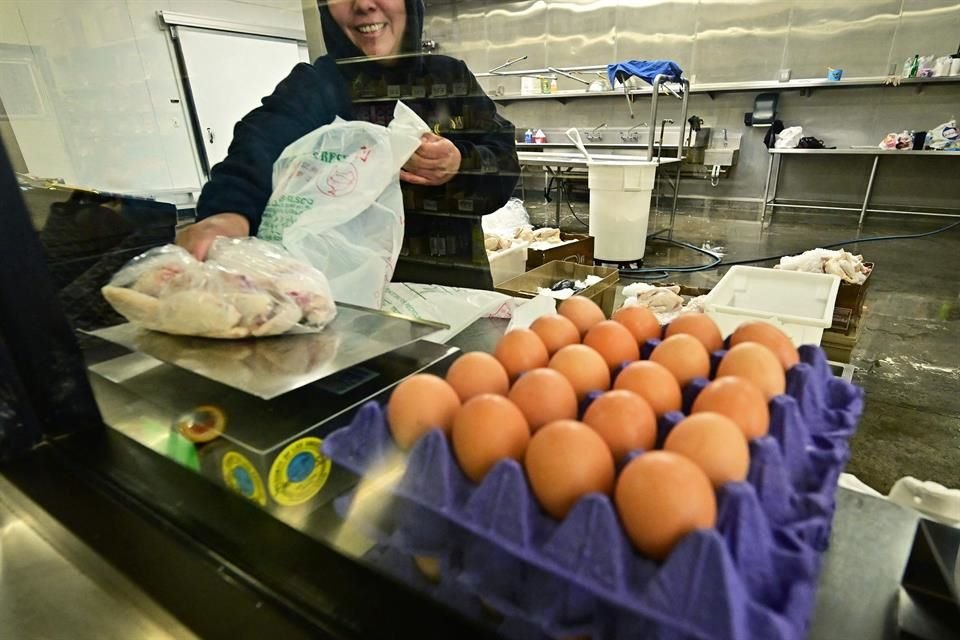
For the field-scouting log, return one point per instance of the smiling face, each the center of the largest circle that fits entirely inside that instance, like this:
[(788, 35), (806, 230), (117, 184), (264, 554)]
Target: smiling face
[(375, 26)]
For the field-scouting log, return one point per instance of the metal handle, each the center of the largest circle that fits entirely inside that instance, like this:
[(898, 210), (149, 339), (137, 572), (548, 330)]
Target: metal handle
[(210, 135)]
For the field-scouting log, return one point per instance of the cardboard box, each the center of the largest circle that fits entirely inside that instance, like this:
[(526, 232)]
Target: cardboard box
[(579, 251), (603, 293)]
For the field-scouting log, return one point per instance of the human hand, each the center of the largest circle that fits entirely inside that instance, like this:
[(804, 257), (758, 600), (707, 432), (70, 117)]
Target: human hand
[(436, 162), (198, 237)]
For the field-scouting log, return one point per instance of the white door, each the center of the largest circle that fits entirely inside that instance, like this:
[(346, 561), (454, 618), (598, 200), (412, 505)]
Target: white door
[(228, 74)]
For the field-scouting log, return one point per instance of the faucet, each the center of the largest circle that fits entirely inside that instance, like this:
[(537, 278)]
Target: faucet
[(663, 125), (595, 135), (629, 135)]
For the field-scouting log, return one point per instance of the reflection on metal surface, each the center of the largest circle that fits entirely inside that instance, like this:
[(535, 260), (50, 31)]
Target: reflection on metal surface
[(269, 367), (53, 586), (144, 401), (714, 40)]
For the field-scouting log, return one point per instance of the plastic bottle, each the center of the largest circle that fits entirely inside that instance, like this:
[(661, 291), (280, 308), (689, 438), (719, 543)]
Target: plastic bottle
[(554, 87), (528, 136), (539, 137)]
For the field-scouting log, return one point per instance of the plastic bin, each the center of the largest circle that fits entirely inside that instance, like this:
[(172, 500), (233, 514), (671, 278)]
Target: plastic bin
[(508, 264), (800, 304), (620, 208)]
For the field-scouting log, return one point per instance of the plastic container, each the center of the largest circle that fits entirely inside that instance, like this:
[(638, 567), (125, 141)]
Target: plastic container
[(753, 576), (620, 208), (508, 264), (800, 304)]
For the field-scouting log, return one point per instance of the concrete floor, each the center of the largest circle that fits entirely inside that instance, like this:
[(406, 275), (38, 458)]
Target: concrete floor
[(908, 354)]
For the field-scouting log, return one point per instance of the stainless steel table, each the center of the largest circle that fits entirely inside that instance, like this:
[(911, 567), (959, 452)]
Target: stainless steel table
[(776, 158)]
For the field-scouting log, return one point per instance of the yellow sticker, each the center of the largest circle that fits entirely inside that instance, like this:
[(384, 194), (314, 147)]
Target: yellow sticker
[(299, 472), (242, 477)]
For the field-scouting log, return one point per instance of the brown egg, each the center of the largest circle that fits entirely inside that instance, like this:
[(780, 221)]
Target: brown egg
[(585, 369), (757, 364), (544, 395), (700, 326), (583, 312), (477, 372), (714, 443), (654, 383), (565, 461), (614, 342), (429, 566), (661, 497), (624, 420), (556, 331), (487, 429), (640, 322), (739, 400), (418, 404), (521, 350), (684, 356), (769, 336)]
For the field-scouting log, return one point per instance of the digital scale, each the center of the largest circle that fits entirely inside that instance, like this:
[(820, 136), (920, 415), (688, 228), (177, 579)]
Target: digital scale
[(274, 398)]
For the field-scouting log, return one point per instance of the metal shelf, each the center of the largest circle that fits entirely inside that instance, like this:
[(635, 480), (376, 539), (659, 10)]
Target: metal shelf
[(437, 261), (734, 87)]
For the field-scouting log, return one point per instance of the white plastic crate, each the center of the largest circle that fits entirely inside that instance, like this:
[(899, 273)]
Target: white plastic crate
[(508, 264), (800, 304)]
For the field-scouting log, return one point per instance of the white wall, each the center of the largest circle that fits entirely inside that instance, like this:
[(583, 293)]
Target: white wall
[(115, 117)]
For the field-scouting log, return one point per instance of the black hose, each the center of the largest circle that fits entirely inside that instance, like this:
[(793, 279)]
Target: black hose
[(657, 273)]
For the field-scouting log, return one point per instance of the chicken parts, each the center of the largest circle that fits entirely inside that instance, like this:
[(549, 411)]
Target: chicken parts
[(247, 287)]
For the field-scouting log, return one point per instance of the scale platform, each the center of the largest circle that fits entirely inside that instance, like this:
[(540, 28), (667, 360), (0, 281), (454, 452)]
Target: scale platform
[(279, 397)]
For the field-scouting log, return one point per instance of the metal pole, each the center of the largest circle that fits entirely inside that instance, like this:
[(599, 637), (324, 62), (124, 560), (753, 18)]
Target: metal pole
[(866, 198), (657, 81), (766, 190), (683, 116), (676, 194)]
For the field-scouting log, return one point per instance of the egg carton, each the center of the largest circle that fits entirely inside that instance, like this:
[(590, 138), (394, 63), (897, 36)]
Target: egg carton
[(752, 576)]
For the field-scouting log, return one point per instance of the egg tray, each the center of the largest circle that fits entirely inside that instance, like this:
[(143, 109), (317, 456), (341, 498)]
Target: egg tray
[(752, 576)]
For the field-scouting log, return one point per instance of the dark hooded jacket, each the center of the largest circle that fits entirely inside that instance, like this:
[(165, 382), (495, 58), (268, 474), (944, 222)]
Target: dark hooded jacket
[(344, 83)]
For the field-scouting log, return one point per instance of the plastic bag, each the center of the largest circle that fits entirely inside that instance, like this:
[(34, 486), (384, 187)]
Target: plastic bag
[(245, 288), (337, 203), (789, 138), (506, 219), (944, 136)]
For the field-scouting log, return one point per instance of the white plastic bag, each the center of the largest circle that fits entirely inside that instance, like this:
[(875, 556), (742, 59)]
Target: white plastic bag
[(337, 202), (789, 138), (246, 288), (944, 136)]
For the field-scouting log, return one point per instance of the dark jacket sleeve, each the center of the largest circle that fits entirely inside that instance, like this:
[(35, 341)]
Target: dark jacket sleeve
[(310, 97), (489, 169)]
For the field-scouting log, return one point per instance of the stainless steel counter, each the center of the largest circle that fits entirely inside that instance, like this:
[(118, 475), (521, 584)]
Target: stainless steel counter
[(53, 586)]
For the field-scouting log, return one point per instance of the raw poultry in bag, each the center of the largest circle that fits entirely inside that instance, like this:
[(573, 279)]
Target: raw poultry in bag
[(246, 288)]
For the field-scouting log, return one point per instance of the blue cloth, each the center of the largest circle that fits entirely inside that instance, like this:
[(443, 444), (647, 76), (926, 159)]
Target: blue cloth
[(646, 70)]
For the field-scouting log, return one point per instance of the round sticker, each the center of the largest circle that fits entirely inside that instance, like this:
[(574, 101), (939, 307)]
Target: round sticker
[(241, 476), (299, 472)]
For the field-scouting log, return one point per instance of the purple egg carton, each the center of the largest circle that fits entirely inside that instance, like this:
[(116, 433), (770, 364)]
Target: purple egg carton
[(753, 576)]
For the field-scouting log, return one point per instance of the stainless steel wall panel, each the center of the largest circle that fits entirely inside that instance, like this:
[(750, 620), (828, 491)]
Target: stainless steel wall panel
[(853, 36), (579, 31), (516, 29), (926, 27), (656, 29), (739, 40)]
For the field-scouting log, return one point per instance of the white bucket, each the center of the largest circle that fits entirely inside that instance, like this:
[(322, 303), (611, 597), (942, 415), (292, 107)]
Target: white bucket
[(620, 208)]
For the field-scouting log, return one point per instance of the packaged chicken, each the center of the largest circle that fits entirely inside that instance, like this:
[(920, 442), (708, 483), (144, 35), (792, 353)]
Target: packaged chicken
[(246, 288)]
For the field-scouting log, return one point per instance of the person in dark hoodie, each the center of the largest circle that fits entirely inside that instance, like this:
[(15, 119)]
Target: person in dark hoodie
[(467, 165)]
